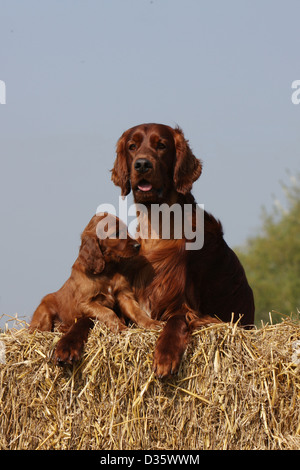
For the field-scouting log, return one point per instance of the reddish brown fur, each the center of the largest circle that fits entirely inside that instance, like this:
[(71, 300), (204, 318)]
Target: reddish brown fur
[(186, 288), (97, 288)]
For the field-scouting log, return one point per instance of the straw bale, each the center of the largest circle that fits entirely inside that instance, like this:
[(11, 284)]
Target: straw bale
[(236, 389)]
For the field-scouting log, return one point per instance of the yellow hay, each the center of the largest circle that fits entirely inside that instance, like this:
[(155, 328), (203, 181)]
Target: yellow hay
[(236, 389)]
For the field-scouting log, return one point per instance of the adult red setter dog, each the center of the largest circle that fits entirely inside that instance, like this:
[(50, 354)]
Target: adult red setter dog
[(185, 288), (98, 289)]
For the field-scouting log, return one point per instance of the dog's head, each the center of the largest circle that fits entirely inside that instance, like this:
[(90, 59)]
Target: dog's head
[(105, 239), (153, 160)]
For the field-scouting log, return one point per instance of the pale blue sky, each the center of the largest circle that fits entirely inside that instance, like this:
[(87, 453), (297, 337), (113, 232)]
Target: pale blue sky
[(80, 72)]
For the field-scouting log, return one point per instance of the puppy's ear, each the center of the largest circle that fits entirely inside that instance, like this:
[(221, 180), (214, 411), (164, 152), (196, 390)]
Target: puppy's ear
[(90, 255), (188, 168), (120, 174)]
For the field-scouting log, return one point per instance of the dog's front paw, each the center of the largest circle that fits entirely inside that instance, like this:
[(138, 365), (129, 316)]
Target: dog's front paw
[(68, 350), (150, 324), (166, 360)]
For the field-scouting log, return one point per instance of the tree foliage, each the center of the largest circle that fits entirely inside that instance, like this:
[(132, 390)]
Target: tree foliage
[(272, 258)]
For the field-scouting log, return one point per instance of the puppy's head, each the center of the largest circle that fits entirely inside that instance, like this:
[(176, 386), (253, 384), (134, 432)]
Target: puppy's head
[(105, 239)]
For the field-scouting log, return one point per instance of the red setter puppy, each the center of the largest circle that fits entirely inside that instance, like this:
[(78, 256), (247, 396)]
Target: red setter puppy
[(185, 287), (97, 289)]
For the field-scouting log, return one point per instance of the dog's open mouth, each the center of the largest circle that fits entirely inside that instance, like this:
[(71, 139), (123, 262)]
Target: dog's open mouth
[(146, 191), (144, 186)]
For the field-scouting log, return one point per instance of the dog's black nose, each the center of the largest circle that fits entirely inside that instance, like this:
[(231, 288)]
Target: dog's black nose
[(142, 165)]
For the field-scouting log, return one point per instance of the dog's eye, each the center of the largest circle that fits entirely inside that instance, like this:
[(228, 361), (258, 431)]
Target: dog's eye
[(132, 147), (161, 146)]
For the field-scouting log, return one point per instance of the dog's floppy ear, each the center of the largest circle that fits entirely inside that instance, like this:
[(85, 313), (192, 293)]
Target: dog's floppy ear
[(120, 173), (188, 168), (90, 255)]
